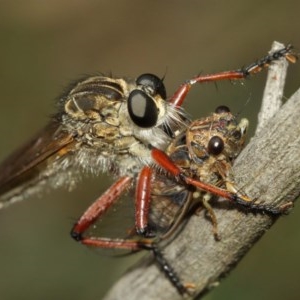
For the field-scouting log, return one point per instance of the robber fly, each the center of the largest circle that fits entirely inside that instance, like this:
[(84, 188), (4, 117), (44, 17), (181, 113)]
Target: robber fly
[(117, 126)]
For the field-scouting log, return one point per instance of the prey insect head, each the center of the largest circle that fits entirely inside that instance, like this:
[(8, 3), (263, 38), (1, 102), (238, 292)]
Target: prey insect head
[(217, 136)]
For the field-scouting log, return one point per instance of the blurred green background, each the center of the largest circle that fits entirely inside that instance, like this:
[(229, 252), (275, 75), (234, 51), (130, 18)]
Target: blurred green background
[(47, 44)]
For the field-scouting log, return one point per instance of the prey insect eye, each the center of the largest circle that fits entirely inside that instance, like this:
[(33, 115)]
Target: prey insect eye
[(154, 83), (222, 109), (215, 145), (142, 109)]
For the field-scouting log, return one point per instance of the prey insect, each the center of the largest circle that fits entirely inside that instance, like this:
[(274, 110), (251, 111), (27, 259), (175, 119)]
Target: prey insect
[(205, 151), (117, 126)]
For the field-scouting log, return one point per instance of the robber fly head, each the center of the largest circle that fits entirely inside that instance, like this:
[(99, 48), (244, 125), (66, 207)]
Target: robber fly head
[(104, 108)]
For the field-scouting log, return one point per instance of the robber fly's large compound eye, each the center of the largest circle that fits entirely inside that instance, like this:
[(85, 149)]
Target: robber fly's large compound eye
[(154, 83), (222, 109), (142, 109), (215, 145)]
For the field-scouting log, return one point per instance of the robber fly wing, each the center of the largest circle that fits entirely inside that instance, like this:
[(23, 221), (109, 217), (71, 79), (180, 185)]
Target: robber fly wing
[(25, 163)]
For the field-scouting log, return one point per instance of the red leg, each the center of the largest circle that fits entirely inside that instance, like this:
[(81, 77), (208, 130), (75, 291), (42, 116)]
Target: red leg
[(165, 162), (96, 210), (142, 201), (178, 98), (108, 243), (103, 203)]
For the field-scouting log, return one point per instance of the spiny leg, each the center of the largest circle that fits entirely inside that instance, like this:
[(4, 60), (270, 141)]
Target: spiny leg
[(100, 206), (95, 211), (165, 162), (179, 96), (167, 269)]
